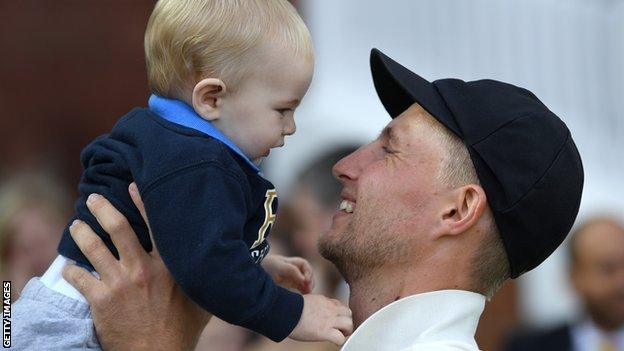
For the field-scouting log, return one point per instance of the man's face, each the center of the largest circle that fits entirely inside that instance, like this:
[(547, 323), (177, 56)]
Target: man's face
[(390, 198), (598, 272)]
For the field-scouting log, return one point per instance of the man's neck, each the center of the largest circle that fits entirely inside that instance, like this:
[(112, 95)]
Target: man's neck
[(376, 289), (369, 294)]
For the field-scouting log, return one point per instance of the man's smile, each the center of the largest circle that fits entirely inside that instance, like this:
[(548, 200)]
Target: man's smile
[(347, 206)]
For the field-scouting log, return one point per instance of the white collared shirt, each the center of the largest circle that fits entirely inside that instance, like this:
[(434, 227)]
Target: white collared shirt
[(444, 320)]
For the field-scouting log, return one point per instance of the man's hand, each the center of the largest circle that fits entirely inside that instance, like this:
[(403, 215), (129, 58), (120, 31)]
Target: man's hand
[(323, 319), (136, 304), (290, 272)]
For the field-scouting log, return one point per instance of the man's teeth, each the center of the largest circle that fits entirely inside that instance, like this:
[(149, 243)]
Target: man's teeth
[(346, 206)]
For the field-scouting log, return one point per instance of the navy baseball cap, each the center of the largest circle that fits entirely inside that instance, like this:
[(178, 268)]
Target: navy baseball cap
[(523, 154)]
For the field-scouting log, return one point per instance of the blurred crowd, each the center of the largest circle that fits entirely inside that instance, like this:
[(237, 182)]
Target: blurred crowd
[(34, 209), (596, 250)]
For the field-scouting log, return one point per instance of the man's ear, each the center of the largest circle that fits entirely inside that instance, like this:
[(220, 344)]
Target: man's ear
[(464, 209), (207, 96)]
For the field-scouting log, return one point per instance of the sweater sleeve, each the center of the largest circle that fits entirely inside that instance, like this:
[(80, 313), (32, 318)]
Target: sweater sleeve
[(197, 216)]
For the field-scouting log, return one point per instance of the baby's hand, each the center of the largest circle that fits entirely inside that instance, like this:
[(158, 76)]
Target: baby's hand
[(323, 319), (290, 272)]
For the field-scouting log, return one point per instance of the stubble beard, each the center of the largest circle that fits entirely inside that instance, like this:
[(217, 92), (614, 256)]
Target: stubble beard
[(343, 251), (367, 244)]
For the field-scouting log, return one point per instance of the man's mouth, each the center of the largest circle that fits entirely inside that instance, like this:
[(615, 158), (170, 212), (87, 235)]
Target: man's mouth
[(346, 206)]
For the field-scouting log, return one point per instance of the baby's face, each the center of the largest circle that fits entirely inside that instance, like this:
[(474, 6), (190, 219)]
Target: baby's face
[(260, 112)]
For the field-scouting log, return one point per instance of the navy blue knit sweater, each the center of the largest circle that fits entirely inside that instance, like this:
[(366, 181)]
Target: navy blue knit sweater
[(209, 209)]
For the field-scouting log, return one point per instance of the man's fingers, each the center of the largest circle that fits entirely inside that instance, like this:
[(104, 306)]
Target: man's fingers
[(92, 247), (117, 226), (336, 337), (138, 202), (82, 280)]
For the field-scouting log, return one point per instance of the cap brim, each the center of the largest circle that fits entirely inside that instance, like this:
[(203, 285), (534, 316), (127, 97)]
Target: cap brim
[(399, 88)]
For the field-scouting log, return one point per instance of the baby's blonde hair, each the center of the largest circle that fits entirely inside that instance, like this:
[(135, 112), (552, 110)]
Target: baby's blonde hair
[(187, 40)]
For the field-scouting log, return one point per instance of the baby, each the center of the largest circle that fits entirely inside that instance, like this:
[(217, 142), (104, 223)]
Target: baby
[(226, 76)]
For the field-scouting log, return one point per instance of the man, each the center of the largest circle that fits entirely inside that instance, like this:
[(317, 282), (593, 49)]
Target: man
[(597, 274), (470, 184)]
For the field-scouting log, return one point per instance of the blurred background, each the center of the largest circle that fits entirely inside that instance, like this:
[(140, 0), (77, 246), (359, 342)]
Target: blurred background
[(70, 69)]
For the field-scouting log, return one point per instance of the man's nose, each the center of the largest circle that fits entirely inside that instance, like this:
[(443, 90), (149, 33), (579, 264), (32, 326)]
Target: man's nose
[(348, 167)]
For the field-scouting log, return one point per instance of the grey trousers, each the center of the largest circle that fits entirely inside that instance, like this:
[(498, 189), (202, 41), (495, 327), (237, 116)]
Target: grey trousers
[(43, 319)]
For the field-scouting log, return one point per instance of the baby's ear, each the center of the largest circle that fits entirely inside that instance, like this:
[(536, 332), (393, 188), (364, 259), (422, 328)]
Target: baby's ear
[(207, 96)]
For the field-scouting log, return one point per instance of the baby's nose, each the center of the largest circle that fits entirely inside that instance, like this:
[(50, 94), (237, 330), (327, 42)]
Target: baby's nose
[(290, 127)]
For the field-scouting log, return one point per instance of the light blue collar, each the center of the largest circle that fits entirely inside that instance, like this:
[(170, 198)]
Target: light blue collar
[(179, 112)]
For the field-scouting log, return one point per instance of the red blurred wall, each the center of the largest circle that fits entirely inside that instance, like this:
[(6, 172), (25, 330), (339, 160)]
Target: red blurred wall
[(68, 70)]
